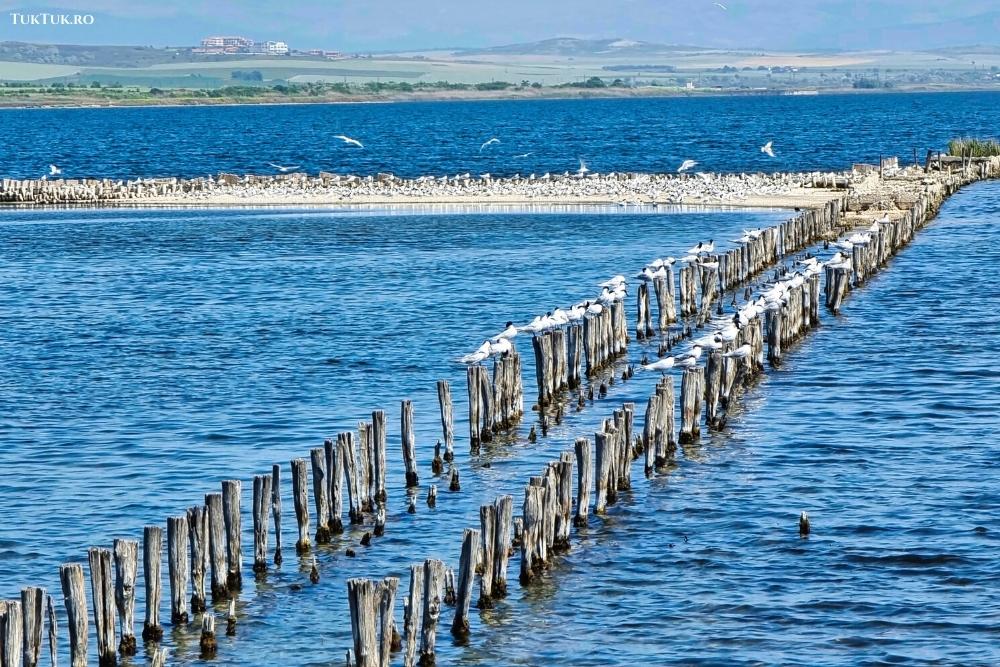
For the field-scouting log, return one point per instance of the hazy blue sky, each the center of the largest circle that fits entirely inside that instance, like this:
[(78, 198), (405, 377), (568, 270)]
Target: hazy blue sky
[(402, 24)]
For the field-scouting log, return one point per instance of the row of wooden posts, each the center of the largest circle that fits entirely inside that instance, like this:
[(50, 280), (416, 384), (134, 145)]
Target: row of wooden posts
[(204, 549)]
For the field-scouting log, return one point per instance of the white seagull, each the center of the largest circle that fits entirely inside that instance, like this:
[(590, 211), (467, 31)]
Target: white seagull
[(766, 148), (662, 365), (583, 168), (687, 164), (54, 170), (523, 155), (492, 140), (350, 142), (478, 355), (742, 352), (509, 332), (283, 168), (721, 6)]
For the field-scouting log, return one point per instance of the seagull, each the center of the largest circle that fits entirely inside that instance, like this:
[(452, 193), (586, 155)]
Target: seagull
[(492, 140), (54, 170), (613, 282), (595, 309), (509, 332), (766, 148), (662, 365), (702, 247), (692, 354), (523, 155), (742, 352), (478, 355), (281, 168), (502, 346), (687, 164), (350, 142), (721, 6), (583, 168)]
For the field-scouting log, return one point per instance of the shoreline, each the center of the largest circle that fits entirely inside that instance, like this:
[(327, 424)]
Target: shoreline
[(83, 102)]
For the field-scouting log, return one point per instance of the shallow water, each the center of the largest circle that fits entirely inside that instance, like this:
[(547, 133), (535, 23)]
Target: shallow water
[(148, 355)]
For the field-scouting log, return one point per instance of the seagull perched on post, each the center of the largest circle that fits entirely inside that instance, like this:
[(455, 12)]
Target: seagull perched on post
[(662, 365), (687, 164), (493, 140), (766, 148), (350, 142), (282, 168)]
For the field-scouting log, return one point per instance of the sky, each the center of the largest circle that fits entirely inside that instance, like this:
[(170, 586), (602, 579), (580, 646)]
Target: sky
[(397, 25)]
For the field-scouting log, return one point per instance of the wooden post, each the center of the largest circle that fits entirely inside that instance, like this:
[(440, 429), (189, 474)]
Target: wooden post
[(583, 481), (564, 498), (276, 509), (50, 615), (321, 487), (364, 597), (178, 567), (231, 489), (71, 578), (345, 442), (216, 546), (364, 465), (713, 388), (466, 577), (409, 443), (502, 543), (412, 614), (379, 462), (11, 628), (484, 554), (388, 638), (152, 548), (531, 534), (692, 383), (335, 462), (102, 596), (207, 643), (31, 607), (300, 498), (433, 580), (197, 518), (603, 444), (126, 568), (261, 520), (447, 418), (472, 382)]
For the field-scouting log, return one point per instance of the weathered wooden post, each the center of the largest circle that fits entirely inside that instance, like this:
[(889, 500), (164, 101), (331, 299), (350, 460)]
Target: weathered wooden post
[(389, 640), (11, 626), (603, 444), (335, 463), (484, 554), (261, 521), (50, 615), (409, 443), (216, 546), (345, 442), (502, 543), (152, 548), (364, 464), (363, 598), (276, 509), (31, 607), (379, 470), (321, 486), (447, 418), (178, 567), (197, 519), (231, 516), (466, 576), (583, 477), (126, 569), (692, 383), (71, 578), (300, 498), (413, 613), (207, 642), (102, 596), (433, 580)]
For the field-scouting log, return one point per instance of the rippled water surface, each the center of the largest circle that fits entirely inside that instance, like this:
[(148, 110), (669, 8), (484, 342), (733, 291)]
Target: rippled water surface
[(148, 355), (824, 132)]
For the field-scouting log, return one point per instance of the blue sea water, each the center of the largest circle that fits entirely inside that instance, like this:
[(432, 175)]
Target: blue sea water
[(147, 355)]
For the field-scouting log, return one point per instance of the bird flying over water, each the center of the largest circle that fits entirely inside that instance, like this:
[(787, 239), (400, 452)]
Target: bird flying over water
[(283, 168), (583, 168), (492, 140), (350, 142), (766, 148), (687, 164), (54, 170), (523, 155)]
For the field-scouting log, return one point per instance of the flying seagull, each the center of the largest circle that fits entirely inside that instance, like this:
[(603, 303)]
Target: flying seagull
[(522, 155), (492, 140), (350, 142), (721, 6), (766, 148), (281, 168), (687, 164), (54, 170), (583, 168)]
